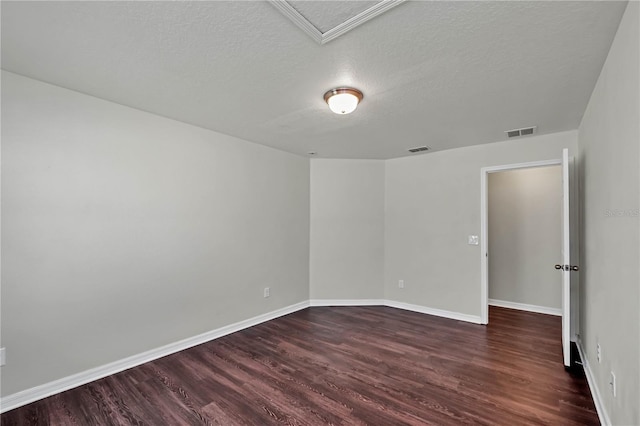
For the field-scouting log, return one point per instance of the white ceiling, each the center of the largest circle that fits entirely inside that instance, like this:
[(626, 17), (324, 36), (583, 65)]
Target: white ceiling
[(325, 15), (442, 74), (326, 20)]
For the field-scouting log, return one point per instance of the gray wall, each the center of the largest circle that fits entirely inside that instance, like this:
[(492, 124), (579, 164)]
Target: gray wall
[(525, 216), (347, 229), (432, 204), (609, 139), (124, 231)]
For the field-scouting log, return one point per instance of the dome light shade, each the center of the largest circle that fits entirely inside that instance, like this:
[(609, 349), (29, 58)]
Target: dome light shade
[(343, 100)]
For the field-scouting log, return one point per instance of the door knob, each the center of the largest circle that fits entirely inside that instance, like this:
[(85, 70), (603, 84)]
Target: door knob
[(567, 268)]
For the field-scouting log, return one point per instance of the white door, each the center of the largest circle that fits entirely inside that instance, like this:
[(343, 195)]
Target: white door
[(566, 266)]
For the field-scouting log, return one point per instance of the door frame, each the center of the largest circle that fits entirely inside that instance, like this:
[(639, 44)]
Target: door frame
[(484, 225)]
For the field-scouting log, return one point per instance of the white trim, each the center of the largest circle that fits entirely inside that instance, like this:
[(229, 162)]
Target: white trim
[(296, 17), (432, 311), (27, 396), (394, 304), (595, 393), (484, 225), (529, 165), (321, 38), (566, 259), (36, 393), (484, 246), (525, 307), (346, 302), (359, 19)]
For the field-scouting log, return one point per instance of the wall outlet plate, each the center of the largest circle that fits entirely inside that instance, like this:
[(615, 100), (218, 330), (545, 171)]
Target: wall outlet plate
[(267, 292), (3, 359), (473, 240), (598, 353), (400, 283)]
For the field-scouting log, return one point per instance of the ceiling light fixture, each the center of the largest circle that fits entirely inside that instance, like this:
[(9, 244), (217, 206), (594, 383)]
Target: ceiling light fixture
[(343, 100)]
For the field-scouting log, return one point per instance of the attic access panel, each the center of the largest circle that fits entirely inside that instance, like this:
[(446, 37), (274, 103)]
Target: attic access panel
[(325, 21)]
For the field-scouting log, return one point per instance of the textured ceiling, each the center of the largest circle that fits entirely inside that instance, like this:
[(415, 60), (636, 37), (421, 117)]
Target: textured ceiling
[(327, 14), (443, 74), (326, 20)]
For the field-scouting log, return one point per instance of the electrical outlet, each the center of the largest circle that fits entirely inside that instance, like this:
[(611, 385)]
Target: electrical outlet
[(612, 383), (3, 358), (267, 292), (400, 283), (598, 353)]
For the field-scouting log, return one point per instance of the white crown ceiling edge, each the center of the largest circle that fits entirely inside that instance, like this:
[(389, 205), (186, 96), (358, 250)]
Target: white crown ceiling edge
[(305, 25)]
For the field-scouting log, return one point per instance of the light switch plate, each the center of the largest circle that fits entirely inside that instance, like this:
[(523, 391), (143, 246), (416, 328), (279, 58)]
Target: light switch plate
[(473, 240)]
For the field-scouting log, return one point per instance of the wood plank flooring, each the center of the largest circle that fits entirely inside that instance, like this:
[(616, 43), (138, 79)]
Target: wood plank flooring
[(344, 366)]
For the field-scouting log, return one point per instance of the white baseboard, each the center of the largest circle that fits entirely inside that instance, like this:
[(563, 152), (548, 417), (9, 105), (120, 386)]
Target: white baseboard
[(525, 307), (346, 302), (393, 304), (595, 392), (36, 393), (432, 311), (27, 396)]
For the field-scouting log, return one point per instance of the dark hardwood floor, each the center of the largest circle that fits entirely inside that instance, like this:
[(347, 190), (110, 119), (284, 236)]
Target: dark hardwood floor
[(344, 365)]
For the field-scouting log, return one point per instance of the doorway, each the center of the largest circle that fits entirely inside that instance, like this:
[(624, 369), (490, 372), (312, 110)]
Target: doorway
[(525, 239), (484, 224), (569, 247)]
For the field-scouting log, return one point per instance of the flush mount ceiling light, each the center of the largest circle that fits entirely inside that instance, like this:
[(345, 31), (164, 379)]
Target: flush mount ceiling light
[(343, 100)]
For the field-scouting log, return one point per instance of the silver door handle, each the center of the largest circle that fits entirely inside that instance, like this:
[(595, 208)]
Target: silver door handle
[(567, 267)]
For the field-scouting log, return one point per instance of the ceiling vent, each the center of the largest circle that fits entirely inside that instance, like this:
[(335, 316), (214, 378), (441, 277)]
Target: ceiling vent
[(525, 131), (418, 149)]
